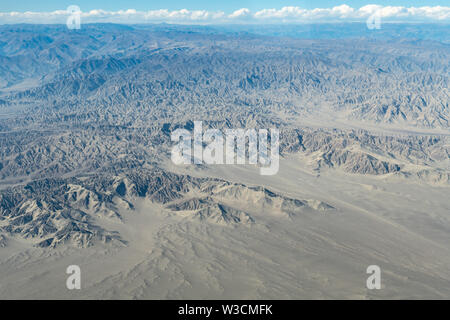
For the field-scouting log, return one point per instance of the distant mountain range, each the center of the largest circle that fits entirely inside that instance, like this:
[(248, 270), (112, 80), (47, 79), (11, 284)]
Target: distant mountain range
[(364, 118)]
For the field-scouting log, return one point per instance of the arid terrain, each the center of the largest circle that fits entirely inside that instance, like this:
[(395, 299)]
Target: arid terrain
[(86, 176)]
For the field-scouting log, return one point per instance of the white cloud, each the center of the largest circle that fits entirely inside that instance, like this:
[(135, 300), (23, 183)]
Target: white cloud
[(284, 15), (343, 10), (244, 12)]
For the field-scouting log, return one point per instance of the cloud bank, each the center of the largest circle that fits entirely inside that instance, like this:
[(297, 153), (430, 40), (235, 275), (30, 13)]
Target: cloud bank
[(342, 13)]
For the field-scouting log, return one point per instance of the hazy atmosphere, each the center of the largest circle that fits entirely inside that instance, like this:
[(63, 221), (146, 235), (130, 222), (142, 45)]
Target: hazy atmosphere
[(229, 150)]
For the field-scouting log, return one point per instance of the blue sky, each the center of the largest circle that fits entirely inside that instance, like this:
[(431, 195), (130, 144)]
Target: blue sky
[(230, 11), (227, 6)]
